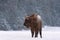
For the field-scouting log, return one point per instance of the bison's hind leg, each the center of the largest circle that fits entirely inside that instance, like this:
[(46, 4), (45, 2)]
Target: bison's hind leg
[(40, 33), (36, 34)]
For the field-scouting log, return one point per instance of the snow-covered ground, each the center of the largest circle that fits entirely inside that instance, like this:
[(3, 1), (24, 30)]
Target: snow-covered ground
[(48, 33)]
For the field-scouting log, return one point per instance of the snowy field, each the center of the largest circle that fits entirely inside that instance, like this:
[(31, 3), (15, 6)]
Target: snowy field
[(48, 33)]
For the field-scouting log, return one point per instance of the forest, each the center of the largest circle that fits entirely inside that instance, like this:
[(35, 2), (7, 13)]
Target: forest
[(13, 12)]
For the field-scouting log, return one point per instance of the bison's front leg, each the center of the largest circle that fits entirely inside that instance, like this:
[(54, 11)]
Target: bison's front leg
[(32, 32)]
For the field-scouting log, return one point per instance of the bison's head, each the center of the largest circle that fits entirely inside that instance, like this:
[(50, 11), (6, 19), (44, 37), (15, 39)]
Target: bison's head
[(27, 21)]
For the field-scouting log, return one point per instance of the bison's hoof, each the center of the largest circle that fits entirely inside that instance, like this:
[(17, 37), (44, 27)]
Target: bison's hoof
[(36, 36), (41, 36)]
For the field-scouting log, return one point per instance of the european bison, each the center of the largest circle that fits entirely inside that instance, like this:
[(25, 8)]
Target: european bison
[(34, 22)]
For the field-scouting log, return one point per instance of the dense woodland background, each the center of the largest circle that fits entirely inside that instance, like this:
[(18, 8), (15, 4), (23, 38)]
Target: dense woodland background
[(12, 12)]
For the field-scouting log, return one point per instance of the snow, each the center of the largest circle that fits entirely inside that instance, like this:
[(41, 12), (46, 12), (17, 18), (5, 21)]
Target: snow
[(48, 33), (38, 17)]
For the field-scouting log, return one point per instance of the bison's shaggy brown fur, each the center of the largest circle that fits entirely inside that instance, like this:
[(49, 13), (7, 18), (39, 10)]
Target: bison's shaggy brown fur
[(34, 23)]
